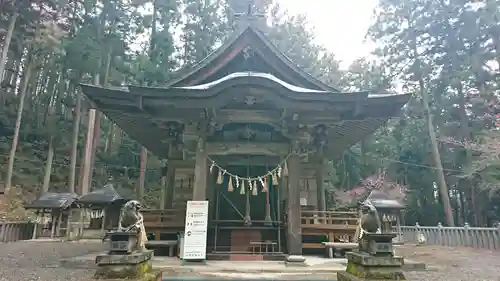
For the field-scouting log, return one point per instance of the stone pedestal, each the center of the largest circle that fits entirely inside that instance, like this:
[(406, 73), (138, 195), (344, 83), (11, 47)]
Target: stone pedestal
[(373, 261), (122, 243), (124, 260), (137, 265)]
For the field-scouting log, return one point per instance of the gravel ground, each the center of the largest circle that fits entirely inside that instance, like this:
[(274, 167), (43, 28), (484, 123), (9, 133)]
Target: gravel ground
[(26, 261), (457, 264)]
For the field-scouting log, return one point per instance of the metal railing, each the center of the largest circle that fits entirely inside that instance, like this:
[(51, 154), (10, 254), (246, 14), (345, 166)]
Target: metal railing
[(16, 231), (466, 236)]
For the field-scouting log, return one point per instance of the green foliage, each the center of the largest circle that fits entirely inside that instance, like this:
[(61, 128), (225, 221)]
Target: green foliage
[(145, 41)]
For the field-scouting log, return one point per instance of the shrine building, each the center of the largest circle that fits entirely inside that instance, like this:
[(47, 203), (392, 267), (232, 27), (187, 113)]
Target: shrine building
[(249, 131)]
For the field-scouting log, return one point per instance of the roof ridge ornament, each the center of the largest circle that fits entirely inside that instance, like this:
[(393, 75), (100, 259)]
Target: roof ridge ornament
[(248, 13)]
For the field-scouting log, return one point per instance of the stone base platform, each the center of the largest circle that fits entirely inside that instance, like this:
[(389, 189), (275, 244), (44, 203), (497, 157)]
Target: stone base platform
[(132, 266), (345, 276), (170, 263), (364, 266)]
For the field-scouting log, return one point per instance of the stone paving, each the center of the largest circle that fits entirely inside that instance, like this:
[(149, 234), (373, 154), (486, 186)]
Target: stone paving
[(73, 261)]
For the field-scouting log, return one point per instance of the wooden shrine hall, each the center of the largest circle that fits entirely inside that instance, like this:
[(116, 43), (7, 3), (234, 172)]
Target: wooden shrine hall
[(250, 132)]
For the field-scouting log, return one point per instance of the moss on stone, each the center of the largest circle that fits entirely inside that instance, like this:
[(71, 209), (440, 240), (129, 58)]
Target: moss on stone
[(129, 271), (375, 273)]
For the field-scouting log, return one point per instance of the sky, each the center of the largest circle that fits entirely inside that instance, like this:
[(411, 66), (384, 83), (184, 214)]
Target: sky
[(339, 25)]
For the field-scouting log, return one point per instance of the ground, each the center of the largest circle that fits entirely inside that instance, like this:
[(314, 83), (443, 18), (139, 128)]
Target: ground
[(27, 260), (459, 264)]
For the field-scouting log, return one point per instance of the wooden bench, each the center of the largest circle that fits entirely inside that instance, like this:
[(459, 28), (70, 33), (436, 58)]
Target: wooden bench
[(170, 244), (313, 245), (334, 249), (266, 247)]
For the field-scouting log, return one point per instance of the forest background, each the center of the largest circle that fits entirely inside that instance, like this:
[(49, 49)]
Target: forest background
[(442, 152)]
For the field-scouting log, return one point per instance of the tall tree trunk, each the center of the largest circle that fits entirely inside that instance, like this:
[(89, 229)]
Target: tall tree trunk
[(50, 124), (436, 156), (6, 44), (86, 172), (97, 123), (142, 173), (77, 114), (15, 139), (466, 136), (48, 166)]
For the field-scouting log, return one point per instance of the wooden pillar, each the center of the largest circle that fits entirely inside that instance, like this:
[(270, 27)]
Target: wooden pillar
[(87, 161), (320, 186), (103, 223), (398, 227), (59, 221), (35, 227), (170, 185), (200, 171), (52, 225), (211, 193), (294, 234), (163, 187), (283, 186)]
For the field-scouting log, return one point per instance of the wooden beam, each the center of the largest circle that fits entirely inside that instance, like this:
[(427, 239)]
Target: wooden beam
[(227, 148), (320, 184)]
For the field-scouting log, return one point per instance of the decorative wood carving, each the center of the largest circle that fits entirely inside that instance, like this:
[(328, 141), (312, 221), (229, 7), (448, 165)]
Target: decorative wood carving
[(226, 148), (320, 136)]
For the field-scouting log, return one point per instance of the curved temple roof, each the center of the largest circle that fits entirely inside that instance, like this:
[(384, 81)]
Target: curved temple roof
[(219, 84), (53, 200), (237, 75), (106, 195), (246, 38)]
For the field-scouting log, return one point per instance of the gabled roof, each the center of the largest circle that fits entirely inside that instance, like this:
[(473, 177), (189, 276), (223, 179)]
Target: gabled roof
[(382, 200), (53, 200), (244, 38), (106, 195)]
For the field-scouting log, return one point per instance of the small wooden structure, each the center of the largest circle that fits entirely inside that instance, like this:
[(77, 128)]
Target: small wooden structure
[(389, 210), (57, 206), (102, 209)]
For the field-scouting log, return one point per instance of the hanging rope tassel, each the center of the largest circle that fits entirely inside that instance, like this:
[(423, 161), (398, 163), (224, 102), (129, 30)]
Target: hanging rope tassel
[(230, 185), (219, 177), (242, 189), (264, 185), (262, 182), (255, 192), (275, 178), (285, 170)]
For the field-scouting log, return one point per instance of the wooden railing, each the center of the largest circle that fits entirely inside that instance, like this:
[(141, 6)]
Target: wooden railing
[(329, 218), (16, 231), (164, 218)]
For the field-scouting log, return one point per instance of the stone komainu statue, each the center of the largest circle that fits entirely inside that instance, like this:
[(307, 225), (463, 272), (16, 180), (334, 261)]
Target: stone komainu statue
[(370, 220), (131, 220)]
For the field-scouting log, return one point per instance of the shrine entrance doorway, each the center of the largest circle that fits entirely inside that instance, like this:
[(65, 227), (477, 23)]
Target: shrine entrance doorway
[(247, 215)]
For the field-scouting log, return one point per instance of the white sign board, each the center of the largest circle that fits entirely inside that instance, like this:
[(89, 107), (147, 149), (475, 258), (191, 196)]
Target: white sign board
[(303, 201), (195, 230)]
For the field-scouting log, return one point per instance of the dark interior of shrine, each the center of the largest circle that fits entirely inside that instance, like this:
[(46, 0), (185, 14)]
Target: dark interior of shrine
[(231, 232)]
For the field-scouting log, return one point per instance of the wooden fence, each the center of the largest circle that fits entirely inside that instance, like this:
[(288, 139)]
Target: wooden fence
[(466, 236), (16, 231)]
